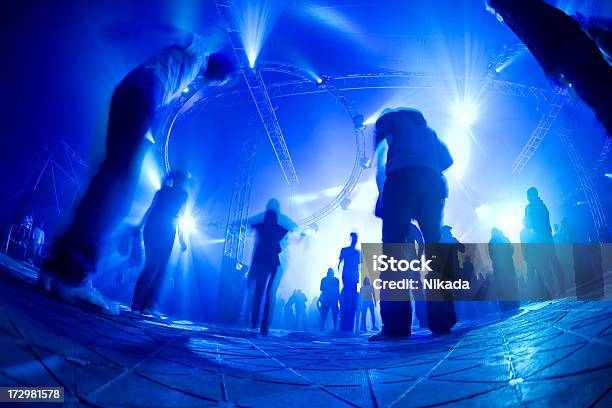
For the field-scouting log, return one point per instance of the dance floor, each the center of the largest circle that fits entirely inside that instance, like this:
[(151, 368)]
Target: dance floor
[(548, 354)]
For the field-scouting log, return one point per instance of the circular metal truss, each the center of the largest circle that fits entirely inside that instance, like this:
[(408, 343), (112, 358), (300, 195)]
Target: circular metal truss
[(195, 100)]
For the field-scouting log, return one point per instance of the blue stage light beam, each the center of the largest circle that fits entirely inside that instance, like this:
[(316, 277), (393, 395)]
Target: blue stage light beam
[(152, 170), (258, 18)]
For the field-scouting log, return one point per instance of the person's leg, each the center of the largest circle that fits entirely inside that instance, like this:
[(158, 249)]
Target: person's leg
[(325, 307), (364, 315), (267, 301), (441, 316), (372, 314), (109, 194), (335, 311), (420, 303), (352, 306), (398, 203), (146, 276), (260, 281), (164, 250)]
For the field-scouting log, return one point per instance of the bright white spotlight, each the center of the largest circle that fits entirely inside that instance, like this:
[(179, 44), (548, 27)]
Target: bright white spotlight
[(187, 223), (608, 175), (465, 114), (507, 216), (319, 80), (185, 90), (252, 59)]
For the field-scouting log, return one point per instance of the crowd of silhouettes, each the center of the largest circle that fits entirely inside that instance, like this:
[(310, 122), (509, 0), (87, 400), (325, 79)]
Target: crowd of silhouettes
[(410, 160)]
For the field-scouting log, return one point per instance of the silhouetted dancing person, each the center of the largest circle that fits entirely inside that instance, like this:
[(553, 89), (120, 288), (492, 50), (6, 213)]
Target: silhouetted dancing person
[(161, 224), (264, 265), (368, 303), (350, 259), (547, 266), (566, 53), (149, 87), (414, 188), (299, 303), (447, 237), (504, 273), (328, 301)]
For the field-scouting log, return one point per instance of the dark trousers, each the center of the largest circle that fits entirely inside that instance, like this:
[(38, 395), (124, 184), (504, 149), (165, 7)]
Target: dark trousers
[(348, 306), (560, 46), (262, 277), (326, 306), (413, 193), (110, 192), (158, 244), (365, 307)]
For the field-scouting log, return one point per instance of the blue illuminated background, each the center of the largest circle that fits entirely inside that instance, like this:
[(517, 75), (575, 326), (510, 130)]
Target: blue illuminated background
[(60, 66)]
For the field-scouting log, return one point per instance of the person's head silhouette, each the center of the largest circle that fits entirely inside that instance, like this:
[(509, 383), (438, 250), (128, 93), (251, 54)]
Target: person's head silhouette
[(354, 238), (532, 194)]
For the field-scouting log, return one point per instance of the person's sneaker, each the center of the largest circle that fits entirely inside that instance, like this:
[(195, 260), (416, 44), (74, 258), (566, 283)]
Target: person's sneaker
[(86, 294), (382, 336), (153, 310)]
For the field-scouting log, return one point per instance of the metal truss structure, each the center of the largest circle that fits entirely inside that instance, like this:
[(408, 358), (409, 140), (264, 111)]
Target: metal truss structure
[(541, 130), (237, 228), (505, 57), (585, 180), (383, 80), (196, 101), (257, 89), (603, 156), (61, 159)]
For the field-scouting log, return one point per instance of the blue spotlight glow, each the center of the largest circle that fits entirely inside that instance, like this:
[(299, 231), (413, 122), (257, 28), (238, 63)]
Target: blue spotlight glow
[(507, 216), (188, 224), (465, 113)]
